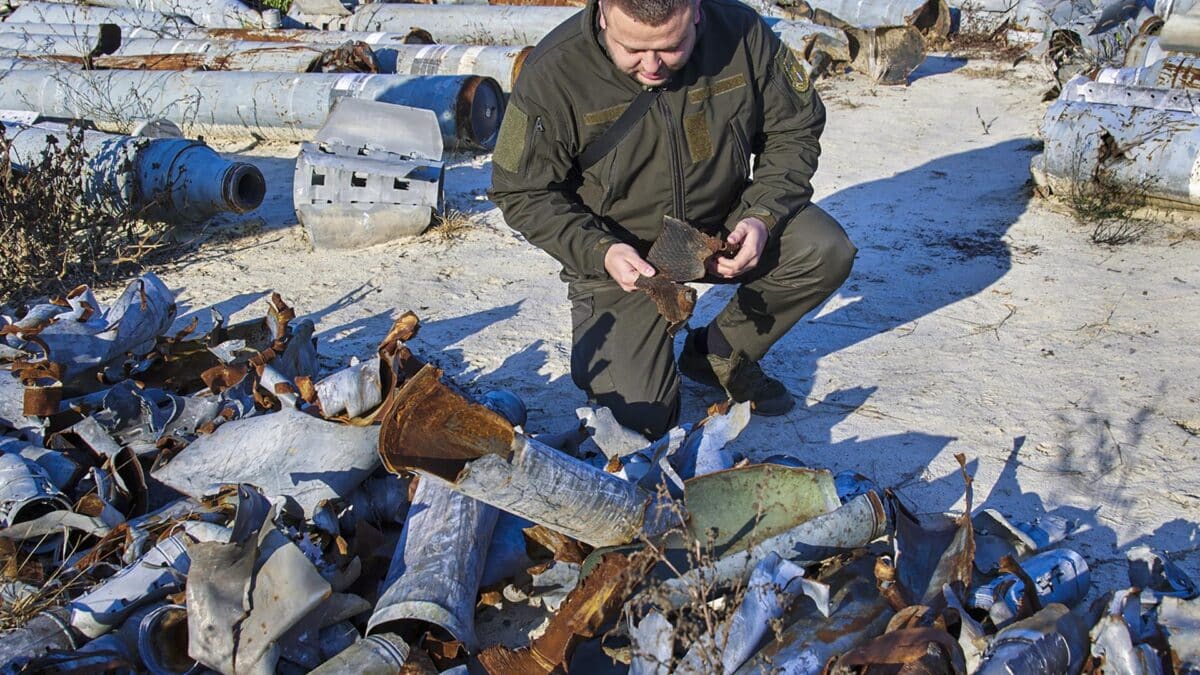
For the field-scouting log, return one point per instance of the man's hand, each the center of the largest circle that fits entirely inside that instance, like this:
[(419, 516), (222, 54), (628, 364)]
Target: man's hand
[(749, 238), (624, 265)]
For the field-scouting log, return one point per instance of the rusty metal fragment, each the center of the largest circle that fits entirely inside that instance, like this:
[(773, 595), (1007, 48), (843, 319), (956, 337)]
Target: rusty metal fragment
[(917, 650), (674, 300), (1058, 576), (587, 608), (678, 254), (168, 54)]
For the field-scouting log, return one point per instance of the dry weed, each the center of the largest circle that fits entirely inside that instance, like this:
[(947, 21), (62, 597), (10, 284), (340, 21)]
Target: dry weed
[(450, 226), (1099, 200), (53, 235)]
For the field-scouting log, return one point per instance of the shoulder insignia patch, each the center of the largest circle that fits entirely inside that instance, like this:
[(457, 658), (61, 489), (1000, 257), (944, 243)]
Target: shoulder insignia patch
[(793, 70), (510, 145)]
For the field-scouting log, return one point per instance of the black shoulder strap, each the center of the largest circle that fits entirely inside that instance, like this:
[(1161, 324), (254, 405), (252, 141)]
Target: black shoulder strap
[(612, 136)]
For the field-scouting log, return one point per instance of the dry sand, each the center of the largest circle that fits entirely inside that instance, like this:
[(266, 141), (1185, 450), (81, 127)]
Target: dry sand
[(979, 319)]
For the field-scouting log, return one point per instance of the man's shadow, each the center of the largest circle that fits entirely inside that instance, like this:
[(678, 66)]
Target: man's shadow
[(927, 237)]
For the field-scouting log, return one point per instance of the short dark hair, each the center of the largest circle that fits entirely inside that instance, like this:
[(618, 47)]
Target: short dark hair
[(650, 12)]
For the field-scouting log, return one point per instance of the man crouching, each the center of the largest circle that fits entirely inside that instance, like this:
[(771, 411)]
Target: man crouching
[(636, 109)]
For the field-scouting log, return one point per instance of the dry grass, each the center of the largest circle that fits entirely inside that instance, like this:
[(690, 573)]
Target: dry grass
[(53, 236), (53, 590), (985, 45), (450, 226), (1097, 199), (994, 71)]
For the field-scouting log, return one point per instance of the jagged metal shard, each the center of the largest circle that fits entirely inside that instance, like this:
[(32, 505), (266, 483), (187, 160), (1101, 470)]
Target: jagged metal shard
[(678, 254), (84, 338), (26, 491), (1052, 641), (354, 188), (284, 453), (859, 613), (45, 632)]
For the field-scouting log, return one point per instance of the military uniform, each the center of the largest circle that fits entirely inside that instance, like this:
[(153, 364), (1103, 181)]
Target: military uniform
[(741, 94)]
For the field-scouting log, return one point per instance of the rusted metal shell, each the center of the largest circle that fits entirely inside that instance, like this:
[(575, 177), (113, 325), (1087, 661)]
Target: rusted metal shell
[(45, 632), (1176, 71), (430, 429), (379, 654)]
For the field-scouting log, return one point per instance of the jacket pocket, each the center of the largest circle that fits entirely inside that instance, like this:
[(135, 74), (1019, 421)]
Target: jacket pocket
[(741, 149)]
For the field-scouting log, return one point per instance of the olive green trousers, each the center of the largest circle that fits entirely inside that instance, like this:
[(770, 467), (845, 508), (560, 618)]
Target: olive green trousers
[(623, 358)]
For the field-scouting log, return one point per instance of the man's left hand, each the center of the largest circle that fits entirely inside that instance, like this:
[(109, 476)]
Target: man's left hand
[(749, 237)]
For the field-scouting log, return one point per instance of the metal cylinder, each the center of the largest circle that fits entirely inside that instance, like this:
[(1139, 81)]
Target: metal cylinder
[(240, 104), (102, 39), (1181, 33), (1052, 641), (213, 13), (278, 57), (157, 573), (854, 525), (48, 631), (1155, 128), (72, 14), (171, 179), (470, 24), (26, 492), (162, 641), (502, 64), (435, 572), (378, 654)]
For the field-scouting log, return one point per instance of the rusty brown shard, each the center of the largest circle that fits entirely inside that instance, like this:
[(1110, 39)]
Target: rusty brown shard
[(428, 426), (681, 250), (352, 56), (918, 649), (562, 547), (587, 608), (675, 301)]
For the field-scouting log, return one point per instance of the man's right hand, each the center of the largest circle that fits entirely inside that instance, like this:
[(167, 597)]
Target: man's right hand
[(624, 265)]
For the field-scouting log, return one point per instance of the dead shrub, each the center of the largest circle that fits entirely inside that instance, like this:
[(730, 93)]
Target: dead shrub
[(1099, 200), (52, 235)]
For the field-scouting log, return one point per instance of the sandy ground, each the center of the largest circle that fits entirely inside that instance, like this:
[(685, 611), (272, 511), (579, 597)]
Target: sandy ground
[(979, 319)]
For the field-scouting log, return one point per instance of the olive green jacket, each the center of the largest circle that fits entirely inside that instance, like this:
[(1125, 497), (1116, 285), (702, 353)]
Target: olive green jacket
[(741, 93)]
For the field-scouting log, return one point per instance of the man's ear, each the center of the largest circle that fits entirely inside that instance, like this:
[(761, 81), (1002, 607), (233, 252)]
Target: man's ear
[(600, 11), (696, 12)]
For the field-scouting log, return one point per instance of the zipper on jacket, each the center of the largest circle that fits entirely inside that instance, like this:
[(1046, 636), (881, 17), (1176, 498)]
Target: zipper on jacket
[(676, 163)]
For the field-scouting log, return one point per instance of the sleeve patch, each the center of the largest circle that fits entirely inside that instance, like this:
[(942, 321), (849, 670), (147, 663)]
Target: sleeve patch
[(510, 145), (790, 67)]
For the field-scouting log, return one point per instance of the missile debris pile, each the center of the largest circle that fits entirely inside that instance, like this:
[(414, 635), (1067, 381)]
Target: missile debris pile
[(177, 499)]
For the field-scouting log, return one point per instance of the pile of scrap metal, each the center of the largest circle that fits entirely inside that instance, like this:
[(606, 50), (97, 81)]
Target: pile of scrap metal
[(1134, 130), (172, 502)]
